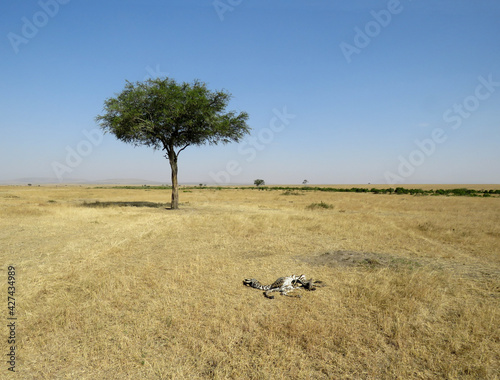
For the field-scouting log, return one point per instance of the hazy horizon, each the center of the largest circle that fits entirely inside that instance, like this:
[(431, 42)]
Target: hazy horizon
[(138, 181)]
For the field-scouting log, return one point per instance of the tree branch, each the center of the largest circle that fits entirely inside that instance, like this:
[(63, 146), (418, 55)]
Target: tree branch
[(184, 147)]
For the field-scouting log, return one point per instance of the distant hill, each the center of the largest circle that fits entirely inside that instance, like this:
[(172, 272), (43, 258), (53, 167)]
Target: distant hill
[(76, 181)]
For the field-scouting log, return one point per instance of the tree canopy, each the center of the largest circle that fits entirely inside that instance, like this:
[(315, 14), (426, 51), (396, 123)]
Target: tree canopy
[(170, 116)]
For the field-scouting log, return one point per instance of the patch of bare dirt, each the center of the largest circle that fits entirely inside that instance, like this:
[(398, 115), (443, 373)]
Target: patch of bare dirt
[(359, 259), (378, 260)]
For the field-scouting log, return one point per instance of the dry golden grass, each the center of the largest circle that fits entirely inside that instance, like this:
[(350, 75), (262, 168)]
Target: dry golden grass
[(149, 293)]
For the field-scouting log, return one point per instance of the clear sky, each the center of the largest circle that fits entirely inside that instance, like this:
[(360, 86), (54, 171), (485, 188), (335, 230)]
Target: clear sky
[(338, 92)]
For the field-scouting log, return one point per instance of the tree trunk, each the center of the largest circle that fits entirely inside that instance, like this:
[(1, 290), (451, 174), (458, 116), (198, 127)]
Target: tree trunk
[(172, 157)]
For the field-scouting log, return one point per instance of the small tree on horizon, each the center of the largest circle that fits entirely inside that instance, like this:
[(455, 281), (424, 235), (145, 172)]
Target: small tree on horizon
[(259, 182), (165, 115)]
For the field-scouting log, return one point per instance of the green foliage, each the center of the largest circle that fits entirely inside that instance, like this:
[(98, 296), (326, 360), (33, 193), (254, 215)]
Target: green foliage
[(463, 191), (259, 182), (163, 114)]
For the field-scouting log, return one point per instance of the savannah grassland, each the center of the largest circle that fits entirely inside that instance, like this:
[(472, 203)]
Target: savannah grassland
[(122, 292)]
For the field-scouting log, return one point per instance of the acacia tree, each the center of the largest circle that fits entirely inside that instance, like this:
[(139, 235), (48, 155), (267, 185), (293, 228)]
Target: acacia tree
[(259, 182), (165, 115)]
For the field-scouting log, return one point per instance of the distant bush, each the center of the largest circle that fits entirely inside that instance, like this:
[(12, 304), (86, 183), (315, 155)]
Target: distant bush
[(463, 191), (321, 204), (259, 182)]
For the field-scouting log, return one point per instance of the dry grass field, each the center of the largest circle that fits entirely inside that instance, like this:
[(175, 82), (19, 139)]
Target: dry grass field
[(123, 292)]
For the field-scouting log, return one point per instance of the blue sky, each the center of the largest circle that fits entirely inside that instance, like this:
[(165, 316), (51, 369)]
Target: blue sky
[(340, 92)]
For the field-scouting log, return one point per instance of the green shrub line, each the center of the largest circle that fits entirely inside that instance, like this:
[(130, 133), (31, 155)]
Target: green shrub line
[(288, 190), (397, 190), (391, 190)]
